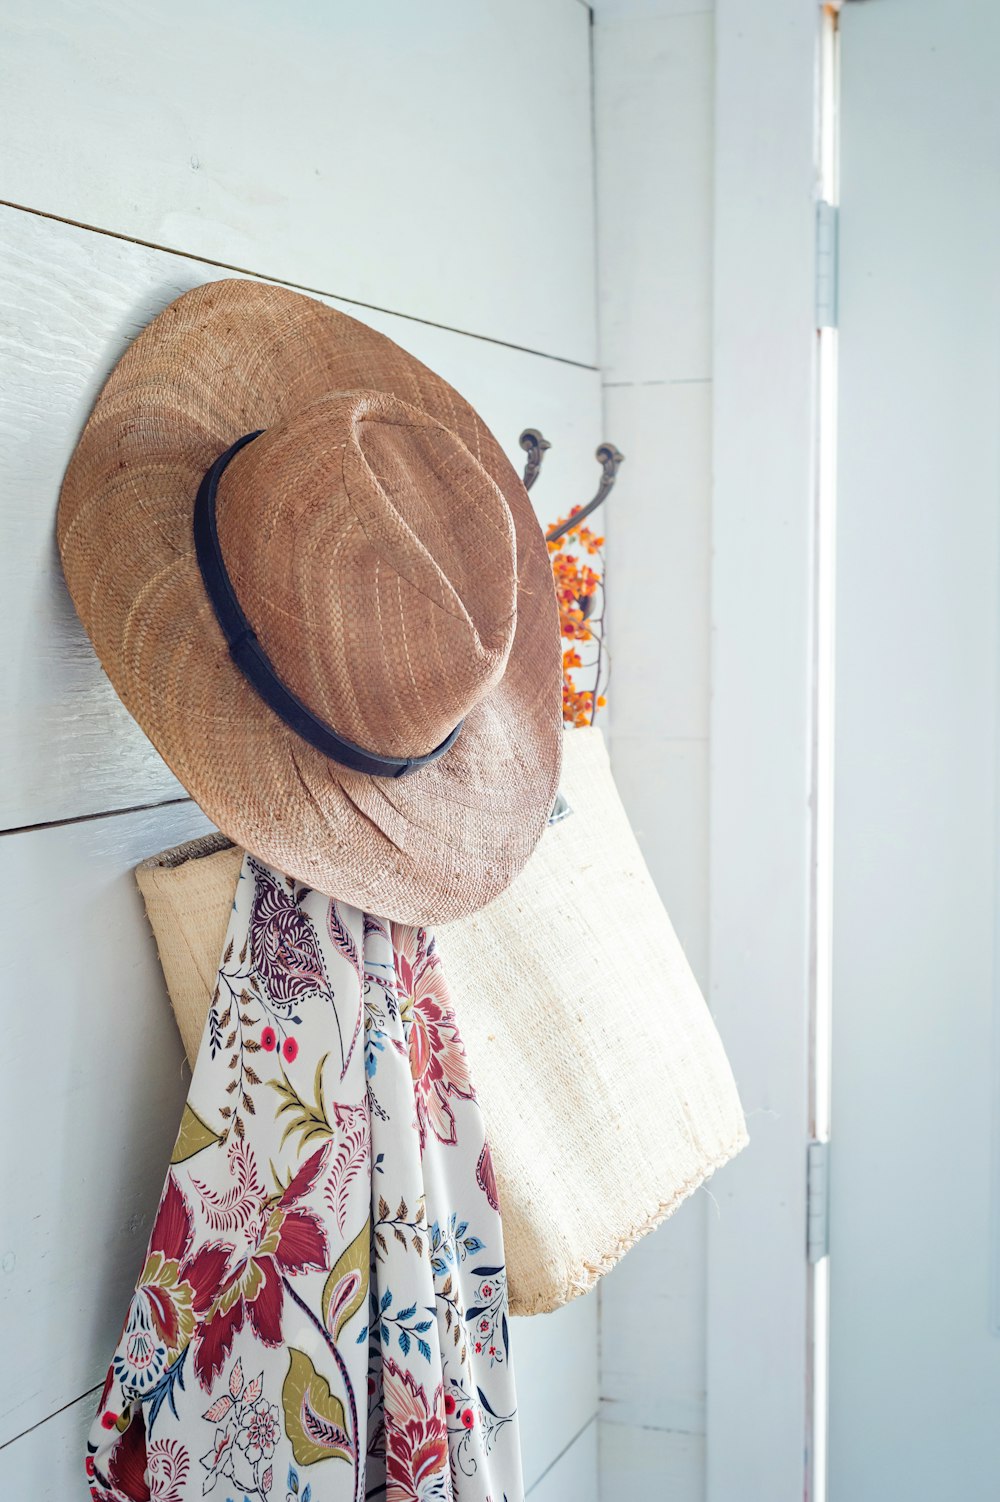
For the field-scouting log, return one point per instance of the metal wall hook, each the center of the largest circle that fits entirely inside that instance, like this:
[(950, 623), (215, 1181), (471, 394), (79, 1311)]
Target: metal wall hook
[(534, 446), (608, 457), (581, 624)]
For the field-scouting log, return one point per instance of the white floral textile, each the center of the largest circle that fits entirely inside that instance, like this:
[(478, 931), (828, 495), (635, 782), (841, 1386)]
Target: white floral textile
[(322, 1314)]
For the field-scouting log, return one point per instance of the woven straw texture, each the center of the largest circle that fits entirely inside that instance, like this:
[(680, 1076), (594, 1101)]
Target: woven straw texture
[(607, 1095), (390, 563)]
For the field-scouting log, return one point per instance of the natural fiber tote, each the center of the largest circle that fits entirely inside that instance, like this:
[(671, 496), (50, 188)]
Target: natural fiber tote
[(607, 1095)]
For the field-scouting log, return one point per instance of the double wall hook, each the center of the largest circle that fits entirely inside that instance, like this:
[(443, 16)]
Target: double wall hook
[(608, 457)]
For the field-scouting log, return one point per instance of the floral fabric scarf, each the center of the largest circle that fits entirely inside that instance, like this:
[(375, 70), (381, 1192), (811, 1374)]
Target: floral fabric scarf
[(322, 1315)]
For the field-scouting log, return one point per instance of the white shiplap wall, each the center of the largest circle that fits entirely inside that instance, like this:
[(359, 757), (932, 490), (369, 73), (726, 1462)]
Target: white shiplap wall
[(654, 98), (386, 157), (430, 159)]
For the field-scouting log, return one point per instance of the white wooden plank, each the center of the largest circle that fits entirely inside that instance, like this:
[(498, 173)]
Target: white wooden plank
[(664, 786), (46, 1463), (653, 1327), (637, 1465), (555, 1366), (70, 301), (654, 94), (432, 159), (91, 1094), (608, 10), (658, 560), (556, 1386), (574, 1476), (654, 81), (761, 736)]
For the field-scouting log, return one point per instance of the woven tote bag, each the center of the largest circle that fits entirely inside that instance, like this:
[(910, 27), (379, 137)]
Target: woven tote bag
[(606, 1092)]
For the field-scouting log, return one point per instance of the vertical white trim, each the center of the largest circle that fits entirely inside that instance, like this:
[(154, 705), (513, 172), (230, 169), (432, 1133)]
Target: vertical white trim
[(818, 1274), (762, 959), (994, 1258)]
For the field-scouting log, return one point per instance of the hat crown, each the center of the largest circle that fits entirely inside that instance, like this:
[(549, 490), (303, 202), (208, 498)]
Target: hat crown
[(375, 559)]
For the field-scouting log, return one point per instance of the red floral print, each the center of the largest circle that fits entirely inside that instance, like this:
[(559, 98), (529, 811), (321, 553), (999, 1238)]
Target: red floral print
[(291, 1240), (176, 1288), (486, 1177), (127, 1465), (438, 1061), (416, 1437)]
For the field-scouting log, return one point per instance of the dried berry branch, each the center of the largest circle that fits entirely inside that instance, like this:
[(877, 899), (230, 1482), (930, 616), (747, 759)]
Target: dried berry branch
[(578, 587)]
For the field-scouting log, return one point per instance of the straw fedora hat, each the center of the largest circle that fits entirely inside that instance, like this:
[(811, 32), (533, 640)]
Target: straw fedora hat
[(607, 1095), (318, 584)]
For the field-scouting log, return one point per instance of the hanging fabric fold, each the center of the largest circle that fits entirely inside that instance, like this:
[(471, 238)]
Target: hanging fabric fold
[(322, 1314)]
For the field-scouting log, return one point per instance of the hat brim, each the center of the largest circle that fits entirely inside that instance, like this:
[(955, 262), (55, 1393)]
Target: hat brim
[(225, 359)]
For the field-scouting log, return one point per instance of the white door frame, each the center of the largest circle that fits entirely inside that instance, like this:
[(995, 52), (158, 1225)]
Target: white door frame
[(762, 910)]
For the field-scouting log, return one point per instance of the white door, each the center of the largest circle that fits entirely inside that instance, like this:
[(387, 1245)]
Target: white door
[(914, 1254)]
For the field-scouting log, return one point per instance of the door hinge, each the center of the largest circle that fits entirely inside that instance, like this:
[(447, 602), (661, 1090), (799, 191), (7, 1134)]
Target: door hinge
[(817, 1201), (827, 238)]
